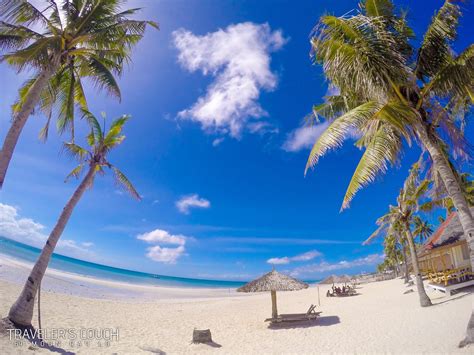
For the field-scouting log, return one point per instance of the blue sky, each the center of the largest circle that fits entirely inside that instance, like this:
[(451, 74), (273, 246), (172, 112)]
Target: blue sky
[(216, 149)]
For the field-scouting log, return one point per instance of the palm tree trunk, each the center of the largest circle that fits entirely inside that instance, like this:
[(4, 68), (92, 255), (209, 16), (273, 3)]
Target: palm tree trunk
[(404, 254), (19, 120), (21, 313), (424, 299), (455, 193)]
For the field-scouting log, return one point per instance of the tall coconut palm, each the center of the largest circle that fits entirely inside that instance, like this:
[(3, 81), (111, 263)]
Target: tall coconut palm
[(61, 43), (392, 252), (390, 91), (94, 160), (422, 228), (402, 216), (392, 231)]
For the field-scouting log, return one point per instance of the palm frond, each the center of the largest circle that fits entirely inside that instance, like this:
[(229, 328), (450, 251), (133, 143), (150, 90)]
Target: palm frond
[(360, 54), (455, 78), (377, 233), (103, 78), (76, 172), (400, 116), (382, 150), (339, 129), (378, 7), (435, 51), (75, 151), (22, 12), (113, 137), (123, 181), (97, 134)]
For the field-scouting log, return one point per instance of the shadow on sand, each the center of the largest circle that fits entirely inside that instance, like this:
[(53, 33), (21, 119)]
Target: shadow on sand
[(7, 327), (323, 321), (152, 350), (345, 296), (212, 344), (468, 291)]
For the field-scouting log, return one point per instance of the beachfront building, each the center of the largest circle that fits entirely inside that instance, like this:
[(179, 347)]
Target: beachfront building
[(444, 257)]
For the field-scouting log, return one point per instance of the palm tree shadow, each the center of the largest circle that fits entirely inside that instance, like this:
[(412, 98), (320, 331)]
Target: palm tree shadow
[(323, 321), (152, 350), (33, 336)]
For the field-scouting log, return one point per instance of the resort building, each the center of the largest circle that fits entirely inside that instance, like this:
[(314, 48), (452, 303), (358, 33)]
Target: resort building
[(444, 257)]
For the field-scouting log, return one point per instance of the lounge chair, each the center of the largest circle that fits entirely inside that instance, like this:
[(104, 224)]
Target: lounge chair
[(311, 314)]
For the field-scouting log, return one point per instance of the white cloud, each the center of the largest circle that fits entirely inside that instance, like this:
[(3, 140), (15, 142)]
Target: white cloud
[(159, 236), (26, 230), (310, 255), (185, 203), (227, 276), (279, 261), (165, 255), (262, 127), (161, 254), (303, 137), (217, 141), (238, 57), (324, 266)]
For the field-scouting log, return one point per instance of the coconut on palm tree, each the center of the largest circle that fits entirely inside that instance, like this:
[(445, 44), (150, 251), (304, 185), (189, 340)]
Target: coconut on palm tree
[(401, 217), (62, 43), (389, 91), (94, 161)]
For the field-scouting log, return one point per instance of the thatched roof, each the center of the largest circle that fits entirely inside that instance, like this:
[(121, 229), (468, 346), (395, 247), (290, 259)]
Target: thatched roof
[(345, 278), (333, 279), (449, 231), (273, 281)]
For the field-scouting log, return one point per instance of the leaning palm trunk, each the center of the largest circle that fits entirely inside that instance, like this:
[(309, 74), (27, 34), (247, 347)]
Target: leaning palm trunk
[(455, 193), (21, 313), (424, 299), (451, 183), (19, 120)]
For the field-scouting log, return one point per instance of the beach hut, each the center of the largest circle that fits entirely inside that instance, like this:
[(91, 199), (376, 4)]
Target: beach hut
[(444, 257), (273, 281)]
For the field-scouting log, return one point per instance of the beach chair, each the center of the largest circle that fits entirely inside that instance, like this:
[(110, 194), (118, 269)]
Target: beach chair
[(311, 314)]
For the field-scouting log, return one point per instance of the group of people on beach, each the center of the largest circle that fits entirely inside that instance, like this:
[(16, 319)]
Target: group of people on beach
[(336, 290)]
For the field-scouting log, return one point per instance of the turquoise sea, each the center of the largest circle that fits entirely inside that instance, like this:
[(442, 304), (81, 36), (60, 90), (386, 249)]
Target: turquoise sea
[(23, 252)]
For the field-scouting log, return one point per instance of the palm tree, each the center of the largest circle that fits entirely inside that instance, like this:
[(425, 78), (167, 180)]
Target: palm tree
[(101, 142), (422, 228), (63, 43), (392, 253), (390, 91), (440, 198), (401, 217)]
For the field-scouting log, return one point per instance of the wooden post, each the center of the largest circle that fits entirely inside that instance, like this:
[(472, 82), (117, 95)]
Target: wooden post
[(319, 301), (274, 304)]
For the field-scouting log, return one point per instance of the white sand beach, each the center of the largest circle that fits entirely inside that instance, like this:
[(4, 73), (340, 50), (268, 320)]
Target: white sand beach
[(381, 319)]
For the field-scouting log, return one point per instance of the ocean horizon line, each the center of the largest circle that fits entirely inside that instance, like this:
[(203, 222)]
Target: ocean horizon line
[(25, 252)]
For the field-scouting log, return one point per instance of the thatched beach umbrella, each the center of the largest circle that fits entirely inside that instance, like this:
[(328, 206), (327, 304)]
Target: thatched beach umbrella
[(333, 279), (273, 281), (345, 278)]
